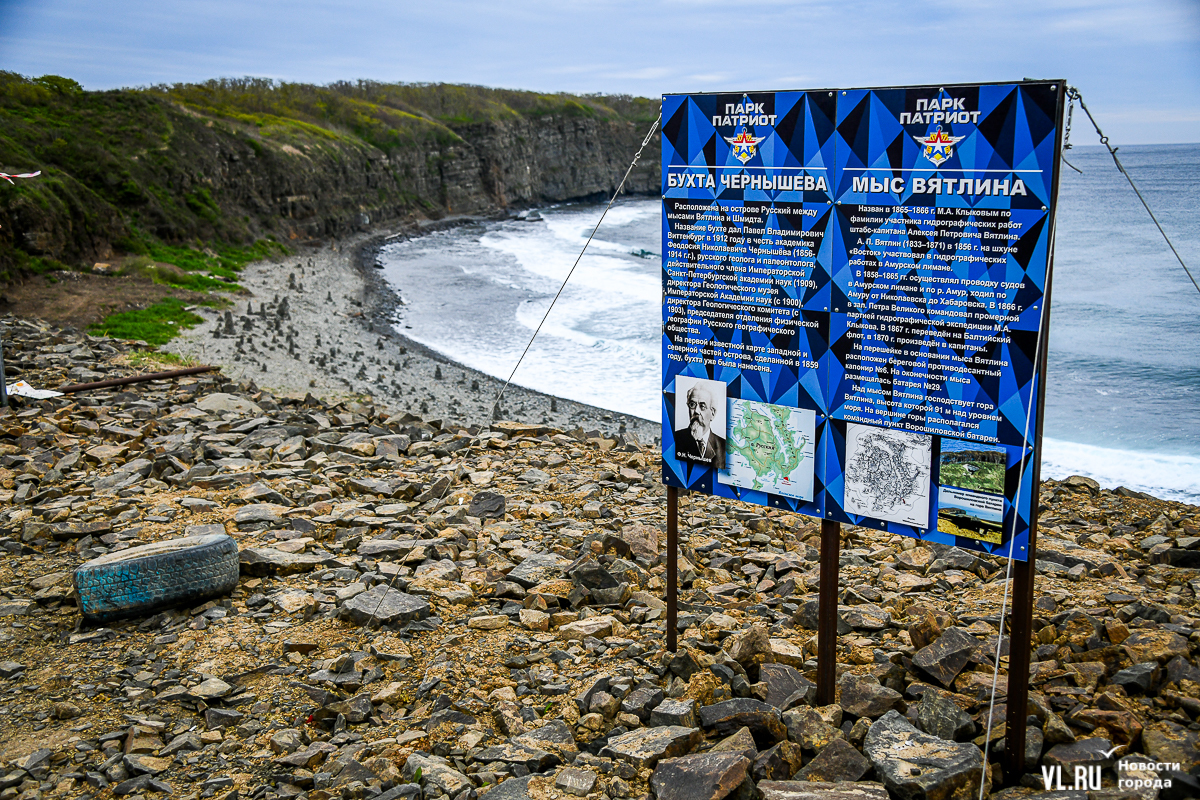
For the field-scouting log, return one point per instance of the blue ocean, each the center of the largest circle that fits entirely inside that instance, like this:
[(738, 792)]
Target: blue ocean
[(1123, 389)]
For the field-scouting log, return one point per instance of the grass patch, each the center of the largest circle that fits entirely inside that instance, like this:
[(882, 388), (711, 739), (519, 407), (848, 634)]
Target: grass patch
[(157, 324), (155, 361), (223, 261)]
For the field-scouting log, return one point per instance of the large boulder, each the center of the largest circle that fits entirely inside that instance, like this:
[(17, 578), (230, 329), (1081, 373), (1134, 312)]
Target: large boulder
[(703, 776), (916, 766), (947, 655), (382, 605), (729, 716), (644, 747)]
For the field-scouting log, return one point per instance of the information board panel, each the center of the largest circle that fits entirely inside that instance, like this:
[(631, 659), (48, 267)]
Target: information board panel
[(852, 297)]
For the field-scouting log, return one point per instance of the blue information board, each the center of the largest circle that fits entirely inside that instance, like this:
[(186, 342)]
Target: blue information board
[(852, 302)]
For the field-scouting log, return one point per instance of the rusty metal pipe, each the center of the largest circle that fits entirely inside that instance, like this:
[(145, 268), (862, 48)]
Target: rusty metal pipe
[(153, 376), (672, 568)]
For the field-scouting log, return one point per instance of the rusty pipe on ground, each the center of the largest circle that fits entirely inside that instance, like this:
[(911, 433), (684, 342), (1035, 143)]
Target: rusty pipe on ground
[(152, 376)]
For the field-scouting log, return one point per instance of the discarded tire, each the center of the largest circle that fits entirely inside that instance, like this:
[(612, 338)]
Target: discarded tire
[(152, 577)]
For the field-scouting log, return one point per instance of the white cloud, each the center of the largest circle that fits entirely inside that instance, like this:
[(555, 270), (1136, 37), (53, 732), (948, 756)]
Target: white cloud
[(1116, 50)]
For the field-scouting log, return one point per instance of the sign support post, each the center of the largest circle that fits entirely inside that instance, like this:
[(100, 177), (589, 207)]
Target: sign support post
[(672, 568), (827, 611), (1021, 631)]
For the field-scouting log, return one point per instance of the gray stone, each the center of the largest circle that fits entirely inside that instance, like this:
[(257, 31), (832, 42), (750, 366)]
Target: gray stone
[(578, 782), (512, 752), (10, 668), (838, 762), (945, 658), (436, 775), (17, 608), (703, 776), (1137, 679), (588, 573), (1079, 753), (738, 742), (140, 764), (1167, 740), (916, 766), (264, 561), (257, 517), (804, 790), (385, 548), (864, 696), (356, 709), (537, 568), (778, 763), (939, 716), (807, 728), (640, 702), (782, 682), (645, 746), (866, 617), (405, 791), (674, 712), (583, 700), (487, 505), (184, 741), (219, 403), (211, 689), (382, 605), (729, 715), (555, 737), (511, 789)]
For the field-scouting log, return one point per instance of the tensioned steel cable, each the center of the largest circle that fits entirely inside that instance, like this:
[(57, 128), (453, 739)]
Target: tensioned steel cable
[(616, 194), (1074, 95), (1012, 536), (496, 404)]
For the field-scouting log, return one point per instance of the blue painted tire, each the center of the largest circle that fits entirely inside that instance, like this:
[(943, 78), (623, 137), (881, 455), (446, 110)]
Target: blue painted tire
[(147, 579)]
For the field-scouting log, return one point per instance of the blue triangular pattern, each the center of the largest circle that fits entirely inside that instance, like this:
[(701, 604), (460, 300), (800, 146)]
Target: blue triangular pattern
[(844, 136)]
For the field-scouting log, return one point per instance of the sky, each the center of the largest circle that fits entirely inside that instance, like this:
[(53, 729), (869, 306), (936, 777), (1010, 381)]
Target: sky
[(1136, 63)]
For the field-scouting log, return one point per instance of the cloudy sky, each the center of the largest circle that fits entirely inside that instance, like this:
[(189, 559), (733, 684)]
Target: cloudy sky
[(1137, 63)]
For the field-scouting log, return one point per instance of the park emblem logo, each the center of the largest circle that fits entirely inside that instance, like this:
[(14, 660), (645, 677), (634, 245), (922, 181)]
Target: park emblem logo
[(939, 146), (745, 145)]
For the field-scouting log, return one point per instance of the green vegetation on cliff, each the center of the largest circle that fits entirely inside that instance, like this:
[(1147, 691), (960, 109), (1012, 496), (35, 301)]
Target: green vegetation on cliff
[(209, 176)]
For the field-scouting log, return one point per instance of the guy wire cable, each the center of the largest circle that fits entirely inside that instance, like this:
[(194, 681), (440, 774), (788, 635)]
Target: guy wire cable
[(616, 194), (1074, 94), (496, 404), (1012, 535)]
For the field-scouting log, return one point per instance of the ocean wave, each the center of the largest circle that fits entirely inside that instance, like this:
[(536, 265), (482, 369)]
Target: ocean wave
[(1170, 477)]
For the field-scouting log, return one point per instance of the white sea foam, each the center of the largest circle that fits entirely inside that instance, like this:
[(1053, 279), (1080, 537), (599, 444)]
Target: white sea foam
[(1170, 477)]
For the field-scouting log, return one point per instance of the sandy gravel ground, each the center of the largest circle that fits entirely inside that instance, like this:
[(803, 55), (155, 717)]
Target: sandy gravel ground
[(321, 321)]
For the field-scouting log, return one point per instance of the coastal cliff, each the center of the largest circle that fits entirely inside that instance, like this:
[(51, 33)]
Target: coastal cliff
[(229, 163)]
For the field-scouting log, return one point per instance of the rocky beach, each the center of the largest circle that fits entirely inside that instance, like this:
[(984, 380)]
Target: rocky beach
[(443, 606), (325, 322)]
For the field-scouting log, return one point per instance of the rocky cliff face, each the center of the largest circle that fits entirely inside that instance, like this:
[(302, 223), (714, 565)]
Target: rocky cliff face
[(184, 177), (494, 167)]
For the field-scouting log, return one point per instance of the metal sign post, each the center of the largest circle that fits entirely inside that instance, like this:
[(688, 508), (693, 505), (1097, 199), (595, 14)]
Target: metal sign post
[(3, 378), (827, 612), (672, 568)]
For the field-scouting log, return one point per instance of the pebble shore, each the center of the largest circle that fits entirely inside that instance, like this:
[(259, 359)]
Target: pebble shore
[(324, 321)]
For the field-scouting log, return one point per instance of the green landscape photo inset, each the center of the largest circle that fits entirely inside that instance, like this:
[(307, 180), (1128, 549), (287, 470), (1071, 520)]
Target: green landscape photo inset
[(770, 448), (974, 466)]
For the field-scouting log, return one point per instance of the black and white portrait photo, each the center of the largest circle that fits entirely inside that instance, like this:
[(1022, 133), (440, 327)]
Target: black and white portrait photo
[(700, 421)]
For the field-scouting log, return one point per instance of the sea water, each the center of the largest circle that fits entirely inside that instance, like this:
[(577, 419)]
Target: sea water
[(1123, 389)]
